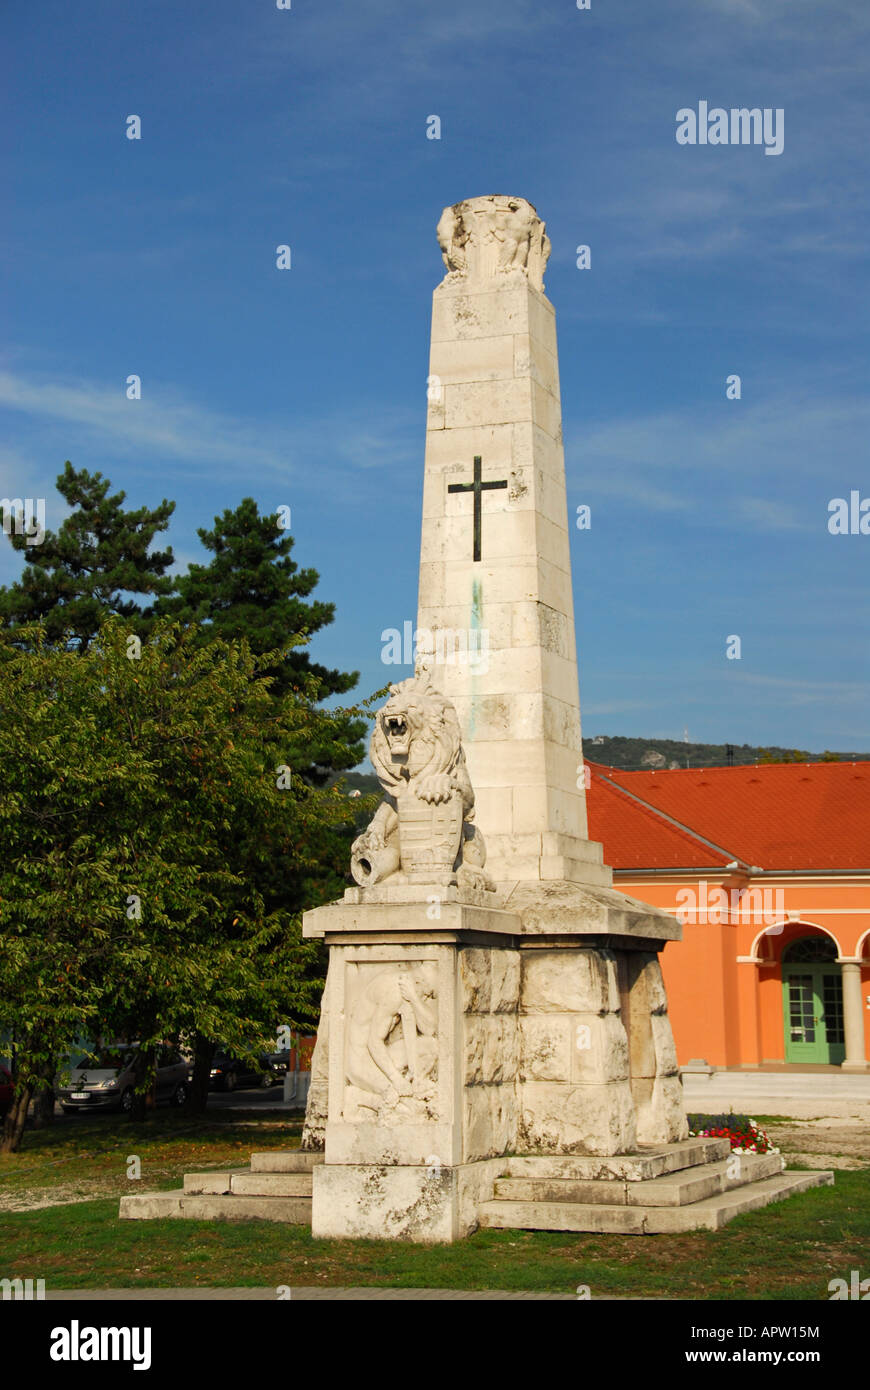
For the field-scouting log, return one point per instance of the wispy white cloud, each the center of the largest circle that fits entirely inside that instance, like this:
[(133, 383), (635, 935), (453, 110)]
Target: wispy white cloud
[(798, 691), (161, 422), (167, 425), (657, 499), (601, 707), (672, 460), (769, 514)]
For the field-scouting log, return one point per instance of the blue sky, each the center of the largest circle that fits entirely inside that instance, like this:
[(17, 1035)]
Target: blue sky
[(307, 387)]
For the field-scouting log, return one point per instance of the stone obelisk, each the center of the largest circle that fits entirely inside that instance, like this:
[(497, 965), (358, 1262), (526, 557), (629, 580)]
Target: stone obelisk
[(489, 993), (495, 623)]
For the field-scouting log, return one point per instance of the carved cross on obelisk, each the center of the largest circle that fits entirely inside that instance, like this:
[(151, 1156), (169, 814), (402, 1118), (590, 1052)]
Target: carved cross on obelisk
[(477, 487)]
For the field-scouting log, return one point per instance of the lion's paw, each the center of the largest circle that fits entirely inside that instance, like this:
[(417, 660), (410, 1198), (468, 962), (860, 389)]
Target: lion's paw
[(437, 787), (368, 842), (467, 876)]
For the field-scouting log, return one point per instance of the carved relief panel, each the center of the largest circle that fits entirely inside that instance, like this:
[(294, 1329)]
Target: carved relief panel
[(391, 1042), (392, 1054)]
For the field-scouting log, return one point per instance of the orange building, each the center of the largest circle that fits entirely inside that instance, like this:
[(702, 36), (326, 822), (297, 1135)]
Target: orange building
[(768, 868)]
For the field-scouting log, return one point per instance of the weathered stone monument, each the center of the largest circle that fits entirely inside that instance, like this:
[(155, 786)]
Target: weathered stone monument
[(494, 1045)]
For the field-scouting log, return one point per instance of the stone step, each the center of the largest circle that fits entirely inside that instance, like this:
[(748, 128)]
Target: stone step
[(640, 1167), (212, 1182), (710, 1213), (713, 1212), (560, 1216), (272, 1184), (249, 1184), (672, 1189), (284, 1161), (146, 1206)]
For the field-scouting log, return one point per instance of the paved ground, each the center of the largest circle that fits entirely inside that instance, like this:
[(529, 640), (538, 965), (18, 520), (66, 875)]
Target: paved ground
[(255, 1098), (801, 1095)]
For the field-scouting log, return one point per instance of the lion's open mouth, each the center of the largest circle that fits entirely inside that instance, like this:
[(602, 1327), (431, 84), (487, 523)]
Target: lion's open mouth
[(398, 735)]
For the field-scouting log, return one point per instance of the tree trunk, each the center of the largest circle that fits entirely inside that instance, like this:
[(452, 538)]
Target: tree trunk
[(43, 1106), (16, 1118), (197, 1095), (144, 1101)]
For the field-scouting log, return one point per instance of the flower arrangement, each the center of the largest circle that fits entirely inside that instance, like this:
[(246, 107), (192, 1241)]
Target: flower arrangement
[(745, 1135)]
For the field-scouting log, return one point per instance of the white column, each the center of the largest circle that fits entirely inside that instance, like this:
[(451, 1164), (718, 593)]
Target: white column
[(853, 1017)]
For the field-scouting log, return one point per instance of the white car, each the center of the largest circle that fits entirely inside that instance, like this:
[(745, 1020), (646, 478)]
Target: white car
[(105, 1080)]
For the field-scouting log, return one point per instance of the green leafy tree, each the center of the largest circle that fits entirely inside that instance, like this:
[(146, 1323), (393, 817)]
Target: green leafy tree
[(74, 578), (88, 569), (783, 755), (252, 588), (129, 902)]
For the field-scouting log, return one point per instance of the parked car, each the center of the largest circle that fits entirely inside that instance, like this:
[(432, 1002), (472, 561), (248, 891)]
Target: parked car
[(229, 1071), (105, 1080), (7, 1089), (277, 1064)]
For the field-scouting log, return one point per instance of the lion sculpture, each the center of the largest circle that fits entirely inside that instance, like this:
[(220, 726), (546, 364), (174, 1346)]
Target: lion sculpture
[(423, 830)]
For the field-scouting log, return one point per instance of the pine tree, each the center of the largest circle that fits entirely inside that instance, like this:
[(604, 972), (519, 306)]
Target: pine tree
[(75, 578), (253, 588)]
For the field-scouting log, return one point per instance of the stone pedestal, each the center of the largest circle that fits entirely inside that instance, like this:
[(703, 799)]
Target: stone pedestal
[(455, 1033)]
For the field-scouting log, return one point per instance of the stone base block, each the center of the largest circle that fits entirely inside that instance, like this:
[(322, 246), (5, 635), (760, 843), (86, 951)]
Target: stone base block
[(370, 1143), (689, 1186), (559, 1119), (428, 1206)]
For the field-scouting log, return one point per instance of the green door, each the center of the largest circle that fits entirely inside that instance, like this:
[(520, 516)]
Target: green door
[(813, 1009)]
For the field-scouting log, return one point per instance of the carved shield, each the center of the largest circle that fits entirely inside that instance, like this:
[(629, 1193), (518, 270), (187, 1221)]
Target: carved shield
[(429, 837)]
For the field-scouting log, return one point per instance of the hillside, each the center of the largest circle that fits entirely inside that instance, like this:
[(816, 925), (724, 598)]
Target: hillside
[(666, 752), (644, 753), (362, 782)]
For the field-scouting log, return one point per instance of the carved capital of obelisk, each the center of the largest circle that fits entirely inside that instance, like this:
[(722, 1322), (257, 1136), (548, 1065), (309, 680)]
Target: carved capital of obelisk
[(482, 238)]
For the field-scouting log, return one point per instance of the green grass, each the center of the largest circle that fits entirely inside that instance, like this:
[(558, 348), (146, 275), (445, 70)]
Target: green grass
[(789, 1250), (93, 1153)]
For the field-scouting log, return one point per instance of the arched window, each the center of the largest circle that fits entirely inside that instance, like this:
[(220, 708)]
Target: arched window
[(810, 950)]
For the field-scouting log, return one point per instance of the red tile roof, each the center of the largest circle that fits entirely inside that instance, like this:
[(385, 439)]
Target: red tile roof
[(776, 816)]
